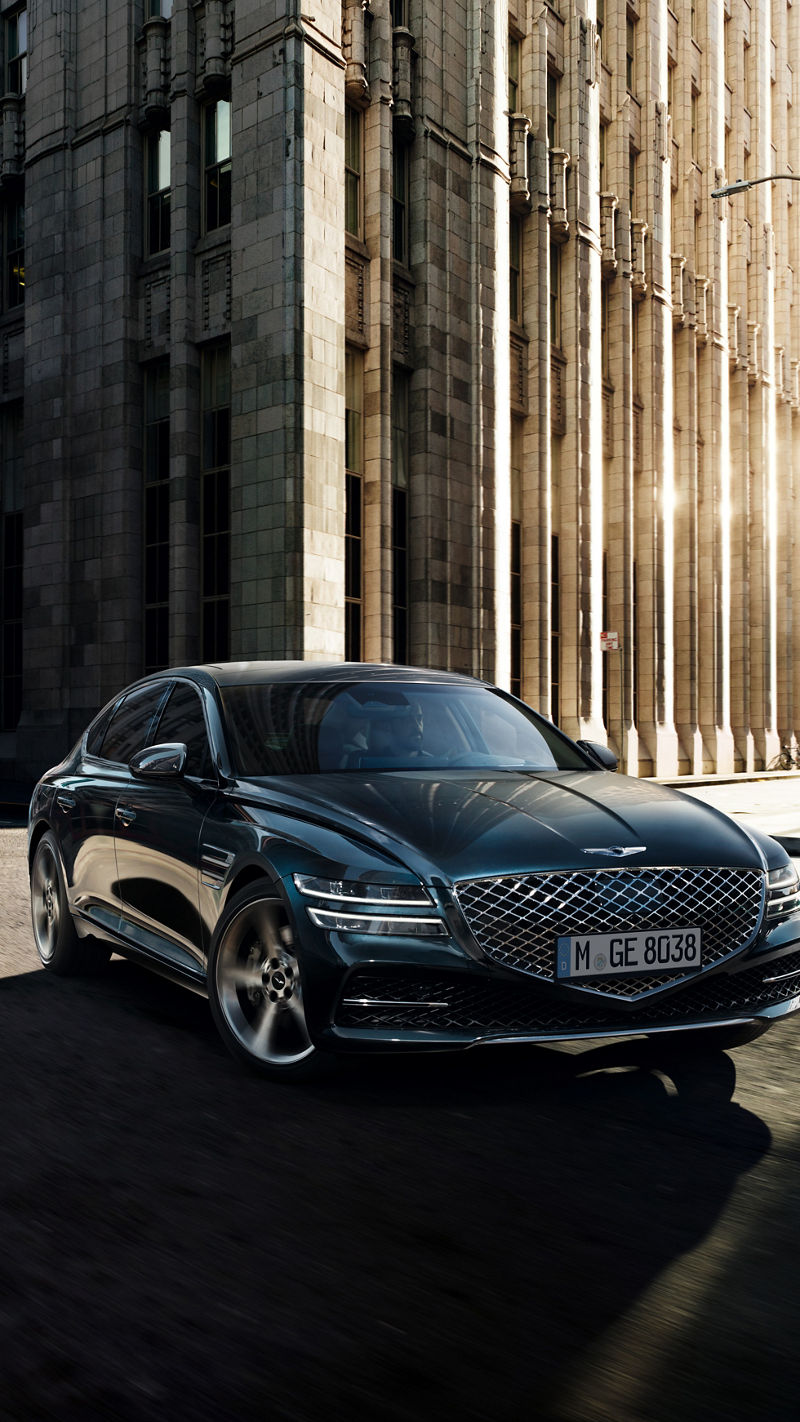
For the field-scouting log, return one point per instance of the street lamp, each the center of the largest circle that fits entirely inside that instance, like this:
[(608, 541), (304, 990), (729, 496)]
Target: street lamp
[(742, 184)]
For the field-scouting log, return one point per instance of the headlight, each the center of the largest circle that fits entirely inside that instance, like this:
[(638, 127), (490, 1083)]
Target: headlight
[(398, 925), (357, 893), (399, 897), (783, 891)]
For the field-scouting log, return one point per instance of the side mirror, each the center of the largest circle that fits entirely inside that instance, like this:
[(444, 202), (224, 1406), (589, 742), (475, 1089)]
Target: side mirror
[(165, 762), (604, 757)]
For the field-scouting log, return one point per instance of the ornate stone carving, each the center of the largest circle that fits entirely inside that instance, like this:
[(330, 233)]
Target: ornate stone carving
[(518, 129), (156, 311), (519, 376), (356, 52), (155, 70), (12, 136), (216, 289), (355, 304), (401, 323), (403, 80)]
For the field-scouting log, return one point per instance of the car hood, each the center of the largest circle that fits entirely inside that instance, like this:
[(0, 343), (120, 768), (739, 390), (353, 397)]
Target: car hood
[(465, 826)]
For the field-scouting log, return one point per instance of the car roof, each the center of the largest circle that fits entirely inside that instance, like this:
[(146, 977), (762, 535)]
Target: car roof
[(253, 673)]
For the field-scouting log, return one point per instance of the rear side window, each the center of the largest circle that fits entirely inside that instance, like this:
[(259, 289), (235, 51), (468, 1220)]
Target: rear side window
[(182, 720), (129, 727), (97, 730)]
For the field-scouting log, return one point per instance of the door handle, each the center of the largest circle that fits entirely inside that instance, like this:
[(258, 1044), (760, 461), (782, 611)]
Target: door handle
[(125, 815), (65, 801)]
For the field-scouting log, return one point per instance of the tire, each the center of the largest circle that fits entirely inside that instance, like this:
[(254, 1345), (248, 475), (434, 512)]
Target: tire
[(716, 1039), (57, 942), (255, 989)]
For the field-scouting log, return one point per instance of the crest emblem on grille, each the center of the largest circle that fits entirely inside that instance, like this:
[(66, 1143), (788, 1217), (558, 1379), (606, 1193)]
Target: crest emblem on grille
[(618, 851)]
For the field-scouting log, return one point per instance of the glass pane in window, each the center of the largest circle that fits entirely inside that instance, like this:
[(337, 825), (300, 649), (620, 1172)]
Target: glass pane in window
[(182, 721), (130, 725)]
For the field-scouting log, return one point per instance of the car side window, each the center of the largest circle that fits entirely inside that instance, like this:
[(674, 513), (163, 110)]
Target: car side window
[(97, 730), (130, 724), (182, 720)]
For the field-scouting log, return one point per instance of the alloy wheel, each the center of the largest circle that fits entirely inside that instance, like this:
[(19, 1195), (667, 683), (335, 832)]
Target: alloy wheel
[(259, 986), (45, 901)]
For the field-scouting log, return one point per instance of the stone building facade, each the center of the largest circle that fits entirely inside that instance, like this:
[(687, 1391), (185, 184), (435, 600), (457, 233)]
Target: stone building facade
[(406, 333)]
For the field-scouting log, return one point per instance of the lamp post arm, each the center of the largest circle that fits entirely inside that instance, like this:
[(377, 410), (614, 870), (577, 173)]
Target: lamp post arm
[(742, 184)]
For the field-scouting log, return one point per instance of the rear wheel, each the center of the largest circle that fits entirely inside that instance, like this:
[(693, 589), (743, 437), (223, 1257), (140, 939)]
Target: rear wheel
[(57, 941), (255, 988)]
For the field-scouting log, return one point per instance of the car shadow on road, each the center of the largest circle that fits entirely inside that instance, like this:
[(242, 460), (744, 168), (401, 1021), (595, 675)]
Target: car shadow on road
[(419, 1238)]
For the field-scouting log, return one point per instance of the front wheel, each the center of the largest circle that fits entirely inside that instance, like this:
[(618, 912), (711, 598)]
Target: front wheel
[(255, 988), (57, 941)]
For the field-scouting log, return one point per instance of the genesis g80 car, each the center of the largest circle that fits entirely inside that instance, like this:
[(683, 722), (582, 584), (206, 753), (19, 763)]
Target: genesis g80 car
[(359, 857)]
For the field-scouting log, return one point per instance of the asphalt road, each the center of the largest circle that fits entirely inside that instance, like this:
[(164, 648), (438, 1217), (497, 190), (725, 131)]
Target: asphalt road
[(506, 1235)]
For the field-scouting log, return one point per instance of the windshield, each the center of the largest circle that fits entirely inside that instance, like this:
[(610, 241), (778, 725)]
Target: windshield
[(285, 728)]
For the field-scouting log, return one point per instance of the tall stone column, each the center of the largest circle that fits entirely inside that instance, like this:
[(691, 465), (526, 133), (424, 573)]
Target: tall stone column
[(655, 543), (762, 443), (82, 597), (581, 537), (452, 486), (378, 645), (546, 408), (714, 513), (185, 644), (287, 399)]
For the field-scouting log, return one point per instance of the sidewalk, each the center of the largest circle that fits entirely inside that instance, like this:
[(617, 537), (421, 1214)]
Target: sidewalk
[(768, 801)]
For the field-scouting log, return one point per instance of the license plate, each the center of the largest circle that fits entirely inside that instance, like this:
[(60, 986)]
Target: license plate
[(595, 955)]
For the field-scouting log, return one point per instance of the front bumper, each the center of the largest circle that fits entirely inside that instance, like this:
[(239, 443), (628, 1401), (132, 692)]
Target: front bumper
[(405, 1006)]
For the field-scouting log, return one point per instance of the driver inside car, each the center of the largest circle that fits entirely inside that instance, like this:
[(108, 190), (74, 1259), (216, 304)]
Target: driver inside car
[(396, 732)]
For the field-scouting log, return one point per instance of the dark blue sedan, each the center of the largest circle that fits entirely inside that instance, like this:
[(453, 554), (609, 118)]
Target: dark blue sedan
[(355, 857)]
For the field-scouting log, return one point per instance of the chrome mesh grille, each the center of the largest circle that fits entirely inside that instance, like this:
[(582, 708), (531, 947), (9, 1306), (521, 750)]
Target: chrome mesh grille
[(516, 920)]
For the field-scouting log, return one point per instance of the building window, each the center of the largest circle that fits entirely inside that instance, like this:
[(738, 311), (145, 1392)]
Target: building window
[(215, 587), (555, 632), (602, 149), (516, 558), (400, 203), (156, 516), (605, 352), (13, 253), (601, 21), (693, 118), (552, 111), (630, 55), (159, 9), (515, 269), (16, 35), (353, 543), (513, 74), (158, 191), (352, 170), (400, 459), (399, 11), (217, 160), (632, 157), (555, 295), (11, 455)]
